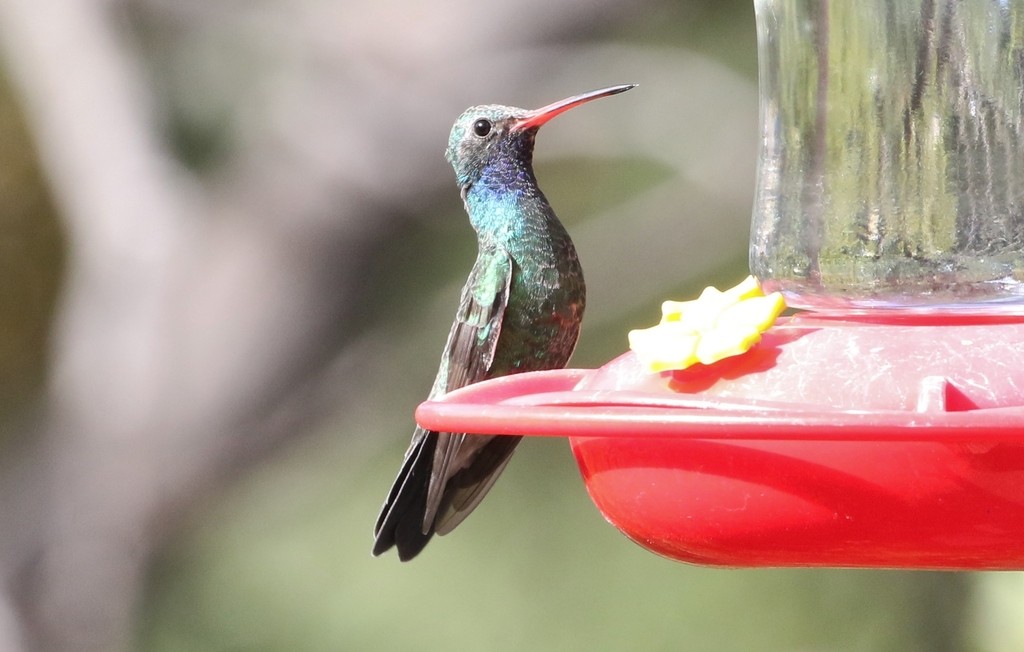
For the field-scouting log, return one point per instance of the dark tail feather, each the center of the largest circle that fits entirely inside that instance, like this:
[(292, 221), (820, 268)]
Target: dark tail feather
[(400, 523)]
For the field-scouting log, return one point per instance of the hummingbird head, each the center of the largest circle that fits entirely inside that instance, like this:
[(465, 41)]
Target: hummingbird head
[(493, 135)]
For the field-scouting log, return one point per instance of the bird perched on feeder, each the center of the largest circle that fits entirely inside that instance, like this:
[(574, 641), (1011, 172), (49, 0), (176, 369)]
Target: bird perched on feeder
[(520, 310)]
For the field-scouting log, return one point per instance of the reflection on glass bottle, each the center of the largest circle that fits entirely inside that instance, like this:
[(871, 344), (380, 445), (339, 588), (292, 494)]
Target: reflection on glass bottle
[(892, 160)]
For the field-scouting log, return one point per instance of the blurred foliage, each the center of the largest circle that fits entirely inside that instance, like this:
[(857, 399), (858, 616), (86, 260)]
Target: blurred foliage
[(31, 262)]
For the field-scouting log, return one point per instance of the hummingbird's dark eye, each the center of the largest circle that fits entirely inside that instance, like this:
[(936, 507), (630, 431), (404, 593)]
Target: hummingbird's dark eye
[(482, 127)]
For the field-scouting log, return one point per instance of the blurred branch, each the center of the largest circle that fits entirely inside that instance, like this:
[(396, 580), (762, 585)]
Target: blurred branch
[(128, 212)]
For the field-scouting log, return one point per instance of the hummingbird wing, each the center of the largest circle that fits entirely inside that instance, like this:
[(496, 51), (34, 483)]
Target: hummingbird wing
[(468, 358), (473, 339), (407, 518)]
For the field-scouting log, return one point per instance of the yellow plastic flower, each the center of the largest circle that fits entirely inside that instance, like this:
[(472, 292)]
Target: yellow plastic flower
[(716, 325)]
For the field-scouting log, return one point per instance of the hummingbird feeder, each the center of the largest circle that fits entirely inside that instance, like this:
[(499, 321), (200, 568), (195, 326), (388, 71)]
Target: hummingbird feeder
[(883, 424)]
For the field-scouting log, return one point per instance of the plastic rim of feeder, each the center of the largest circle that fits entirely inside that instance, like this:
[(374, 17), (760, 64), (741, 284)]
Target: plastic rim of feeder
[(852, 440)]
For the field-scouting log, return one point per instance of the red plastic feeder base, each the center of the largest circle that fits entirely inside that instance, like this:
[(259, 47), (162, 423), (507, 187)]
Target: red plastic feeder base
[(872, 440)]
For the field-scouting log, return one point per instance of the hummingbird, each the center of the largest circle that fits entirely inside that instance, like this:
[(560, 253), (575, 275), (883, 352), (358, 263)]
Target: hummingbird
[(520, 310)]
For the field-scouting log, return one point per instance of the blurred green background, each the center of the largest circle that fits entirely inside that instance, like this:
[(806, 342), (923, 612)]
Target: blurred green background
[(231, 253)]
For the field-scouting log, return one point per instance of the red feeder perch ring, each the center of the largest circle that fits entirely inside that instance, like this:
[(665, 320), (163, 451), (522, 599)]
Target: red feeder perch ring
[(853, 440)]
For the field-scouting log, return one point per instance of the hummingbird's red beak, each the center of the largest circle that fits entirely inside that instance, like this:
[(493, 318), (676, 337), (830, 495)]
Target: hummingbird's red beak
[(538, 117)]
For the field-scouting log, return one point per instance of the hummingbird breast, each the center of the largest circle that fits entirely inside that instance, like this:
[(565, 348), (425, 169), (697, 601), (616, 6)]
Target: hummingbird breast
[(545, 306), (547, 294)]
